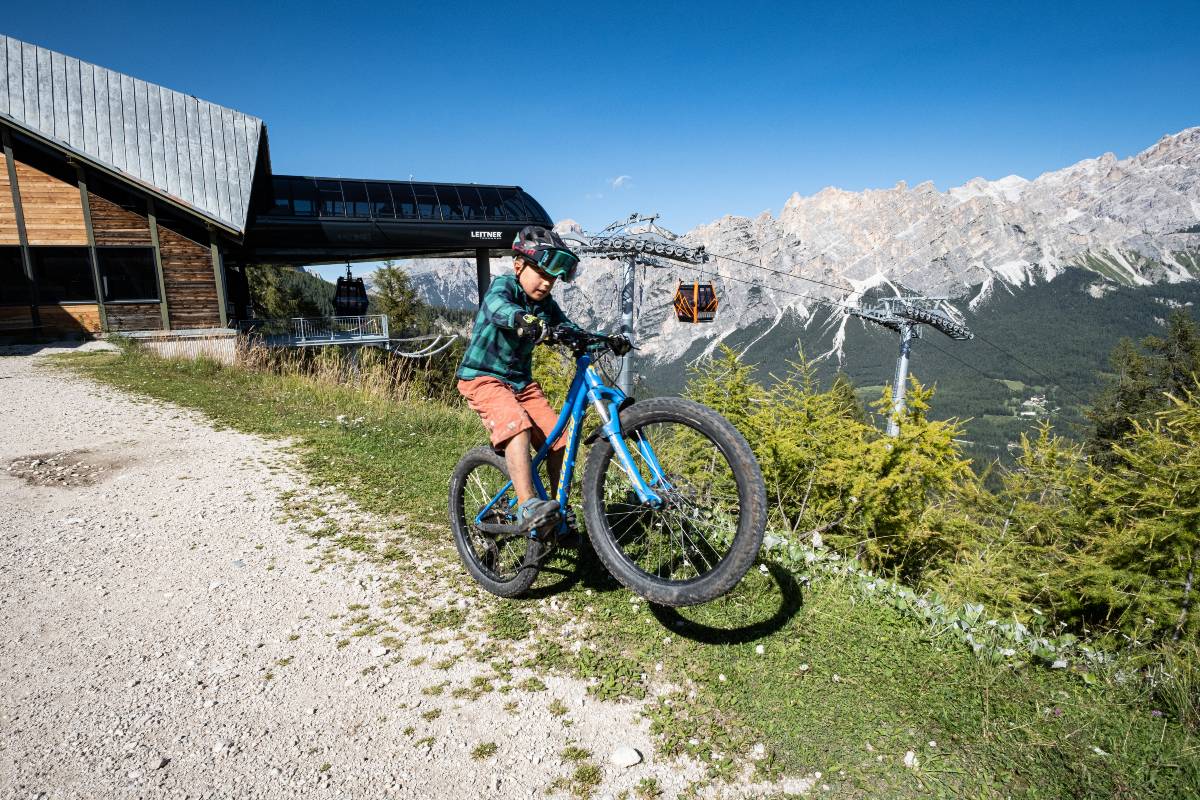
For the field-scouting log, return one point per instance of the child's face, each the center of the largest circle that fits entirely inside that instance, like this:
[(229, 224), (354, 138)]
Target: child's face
[(536, 283)]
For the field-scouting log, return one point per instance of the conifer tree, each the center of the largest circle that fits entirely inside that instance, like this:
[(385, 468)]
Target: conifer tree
[(1139, 569), (395, 295), (282, 292), (1141, 382)]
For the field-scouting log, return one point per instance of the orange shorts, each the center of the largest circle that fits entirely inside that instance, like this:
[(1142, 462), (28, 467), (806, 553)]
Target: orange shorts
[(506, 412)]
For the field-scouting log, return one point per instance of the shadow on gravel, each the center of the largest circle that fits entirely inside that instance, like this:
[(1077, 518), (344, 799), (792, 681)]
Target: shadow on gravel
[(10, 347), (567, 568), (791, 597)]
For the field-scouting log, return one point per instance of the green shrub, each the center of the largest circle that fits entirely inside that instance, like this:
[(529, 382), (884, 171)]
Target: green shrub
[(831, 476), (1098, 549)]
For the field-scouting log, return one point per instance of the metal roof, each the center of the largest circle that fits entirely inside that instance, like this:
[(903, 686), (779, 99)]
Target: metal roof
[(195, 153)]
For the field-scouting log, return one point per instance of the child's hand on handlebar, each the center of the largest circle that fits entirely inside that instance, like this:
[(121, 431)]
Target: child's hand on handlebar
[(530, 326), (619, 345)]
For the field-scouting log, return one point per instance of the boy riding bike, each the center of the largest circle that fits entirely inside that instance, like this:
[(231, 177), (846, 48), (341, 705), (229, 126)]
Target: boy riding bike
[(495, 375)]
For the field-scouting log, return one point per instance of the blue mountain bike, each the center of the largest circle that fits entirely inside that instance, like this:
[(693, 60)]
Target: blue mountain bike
[(673, 497)]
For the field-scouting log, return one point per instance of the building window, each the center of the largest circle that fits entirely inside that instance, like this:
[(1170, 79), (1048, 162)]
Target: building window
[(281, 200), (513, 207), (381, 200), (355, 194), (427, 202), (332, 204), (127, 274), (64, 275), (406, 204), (493, 207), (472, 207), (450, 204), (14, 286), (304, 197)]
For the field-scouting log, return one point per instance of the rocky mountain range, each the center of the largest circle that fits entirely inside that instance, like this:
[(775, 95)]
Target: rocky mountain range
[(1129, 222)]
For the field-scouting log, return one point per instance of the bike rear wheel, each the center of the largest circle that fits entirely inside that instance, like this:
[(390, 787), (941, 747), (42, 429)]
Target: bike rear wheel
[(705, 537), (505, 564)]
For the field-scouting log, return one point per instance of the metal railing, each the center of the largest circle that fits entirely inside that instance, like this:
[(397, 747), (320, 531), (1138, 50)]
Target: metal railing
[(331, 330)]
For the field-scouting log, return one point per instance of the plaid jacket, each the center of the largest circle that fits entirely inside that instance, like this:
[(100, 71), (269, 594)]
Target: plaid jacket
[(495, 350)]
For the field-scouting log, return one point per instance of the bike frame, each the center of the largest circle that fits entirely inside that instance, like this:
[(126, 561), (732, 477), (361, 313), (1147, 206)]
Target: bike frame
[(588, 388)]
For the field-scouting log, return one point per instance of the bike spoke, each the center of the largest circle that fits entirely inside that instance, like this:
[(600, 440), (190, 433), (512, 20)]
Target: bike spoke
[(692, 532), (500, 555)]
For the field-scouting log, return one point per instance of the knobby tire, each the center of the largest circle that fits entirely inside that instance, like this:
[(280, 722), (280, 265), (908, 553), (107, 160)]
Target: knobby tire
[(725, 440), (470, 478)]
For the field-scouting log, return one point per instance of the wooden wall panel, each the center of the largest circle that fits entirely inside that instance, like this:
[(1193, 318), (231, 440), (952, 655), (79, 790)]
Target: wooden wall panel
[(113, 225), (8, 212), (52, 208), (133, 316), (72, 318), (189, 280), (15, 317)]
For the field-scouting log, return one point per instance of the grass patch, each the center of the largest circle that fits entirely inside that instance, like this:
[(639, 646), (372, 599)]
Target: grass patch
[(508, 621), (585, 779), (575, 753), (648, 789), (998, 731), (447, 617), (357, 543), (484, 750), (532, 684)]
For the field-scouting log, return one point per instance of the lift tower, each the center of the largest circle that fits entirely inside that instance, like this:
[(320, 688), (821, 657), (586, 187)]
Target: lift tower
[(635, 240), (905, 316)]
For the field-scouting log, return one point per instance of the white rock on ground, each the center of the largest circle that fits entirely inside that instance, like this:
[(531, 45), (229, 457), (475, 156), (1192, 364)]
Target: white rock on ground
[(625, 757), (123, 675)]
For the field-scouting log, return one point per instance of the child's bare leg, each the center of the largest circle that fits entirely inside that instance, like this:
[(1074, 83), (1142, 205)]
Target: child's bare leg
[(520, 466)]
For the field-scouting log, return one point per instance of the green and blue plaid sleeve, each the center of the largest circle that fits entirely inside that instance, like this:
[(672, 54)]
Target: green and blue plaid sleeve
[(500, 306)]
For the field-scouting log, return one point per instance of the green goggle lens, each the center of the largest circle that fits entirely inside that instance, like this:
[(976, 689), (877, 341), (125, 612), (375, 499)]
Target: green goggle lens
[(558, 264)]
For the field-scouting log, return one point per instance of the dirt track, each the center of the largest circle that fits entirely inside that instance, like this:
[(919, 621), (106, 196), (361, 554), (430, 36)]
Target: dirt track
[(167, 633)]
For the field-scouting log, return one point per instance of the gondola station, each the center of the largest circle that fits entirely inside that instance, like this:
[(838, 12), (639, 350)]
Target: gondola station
[(129, 207)]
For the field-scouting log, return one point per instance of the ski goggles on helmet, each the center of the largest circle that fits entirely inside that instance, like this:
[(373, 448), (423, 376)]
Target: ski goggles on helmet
[(555, 263)]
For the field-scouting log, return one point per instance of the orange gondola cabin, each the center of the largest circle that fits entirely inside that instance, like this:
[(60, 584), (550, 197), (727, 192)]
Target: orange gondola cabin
[(695, 302)]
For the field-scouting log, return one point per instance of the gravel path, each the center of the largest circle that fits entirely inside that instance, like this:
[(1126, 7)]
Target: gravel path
[(172, 629)]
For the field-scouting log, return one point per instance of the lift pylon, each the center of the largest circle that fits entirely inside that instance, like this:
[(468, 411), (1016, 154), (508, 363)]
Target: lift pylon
[(905, 316), (638, 239)]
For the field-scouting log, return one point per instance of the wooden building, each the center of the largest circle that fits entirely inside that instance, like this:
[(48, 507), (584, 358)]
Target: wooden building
[(126, 206)]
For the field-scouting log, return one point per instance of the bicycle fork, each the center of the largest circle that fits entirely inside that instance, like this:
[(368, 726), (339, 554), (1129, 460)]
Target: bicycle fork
[(610, 429)]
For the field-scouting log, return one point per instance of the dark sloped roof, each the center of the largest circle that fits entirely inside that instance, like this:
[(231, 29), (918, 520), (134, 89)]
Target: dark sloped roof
[(195, 153)]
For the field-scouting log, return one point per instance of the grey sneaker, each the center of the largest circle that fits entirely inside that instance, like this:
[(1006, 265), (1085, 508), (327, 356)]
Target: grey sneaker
[(535, 514)]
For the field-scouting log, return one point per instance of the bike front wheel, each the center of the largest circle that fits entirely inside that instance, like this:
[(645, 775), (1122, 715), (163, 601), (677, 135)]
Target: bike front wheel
[(704, 537), (506, 564)]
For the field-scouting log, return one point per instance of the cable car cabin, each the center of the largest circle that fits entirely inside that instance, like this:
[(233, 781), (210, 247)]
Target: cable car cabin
[(350, 298), (695, 302)]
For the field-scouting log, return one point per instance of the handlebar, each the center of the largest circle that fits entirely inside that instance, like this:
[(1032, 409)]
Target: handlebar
[(579, 341)]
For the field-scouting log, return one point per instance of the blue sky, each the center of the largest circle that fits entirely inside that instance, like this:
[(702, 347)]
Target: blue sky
[(694, 110)]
